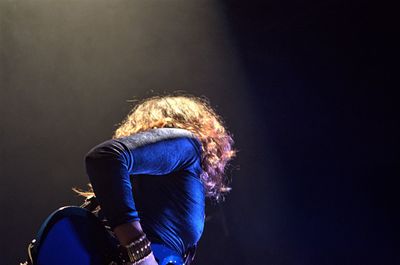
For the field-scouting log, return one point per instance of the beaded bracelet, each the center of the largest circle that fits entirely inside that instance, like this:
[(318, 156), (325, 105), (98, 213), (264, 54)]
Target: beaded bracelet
[(136, 251)]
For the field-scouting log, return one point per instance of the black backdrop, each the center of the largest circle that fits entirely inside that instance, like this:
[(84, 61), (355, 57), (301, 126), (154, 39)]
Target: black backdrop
[(307, 88)]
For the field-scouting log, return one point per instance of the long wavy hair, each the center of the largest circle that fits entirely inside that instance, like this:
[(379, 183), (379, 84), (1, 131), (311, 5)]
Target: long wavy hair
[(196, 115)]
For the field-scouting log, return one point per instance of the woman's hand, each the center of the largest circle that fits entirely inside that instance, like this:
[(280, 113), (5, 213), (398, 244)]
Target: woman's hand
[(149, 260)]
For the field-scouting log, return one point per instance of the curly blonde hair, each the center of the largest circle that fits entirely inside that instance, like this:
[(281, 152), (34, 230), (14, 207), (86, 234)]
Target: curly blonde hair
[(193, 114)]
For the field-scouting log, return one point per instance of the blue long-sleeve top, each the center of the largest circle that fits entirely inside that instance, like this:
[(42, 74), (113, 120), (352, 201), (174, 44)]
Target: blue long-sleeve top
[(154, 177)]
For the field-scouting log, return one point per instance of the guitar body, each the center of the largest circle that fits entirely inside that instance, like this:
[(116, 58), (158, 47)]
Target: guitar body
[(75, 236), (72, 235)]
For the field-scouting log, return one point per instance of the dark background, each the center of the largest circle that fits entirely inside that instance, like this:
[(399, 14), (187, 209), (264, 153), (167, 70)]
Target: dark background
[(306, 87)]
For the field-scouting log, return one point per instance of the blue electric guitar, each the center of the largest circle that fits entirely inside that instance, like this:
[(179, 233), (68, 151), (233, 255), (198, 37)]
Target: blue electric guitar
[(75, 236)]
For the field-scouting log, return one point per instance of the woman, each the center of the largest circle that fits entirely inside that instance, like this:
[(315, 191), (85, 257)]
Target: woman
[(152, 178)]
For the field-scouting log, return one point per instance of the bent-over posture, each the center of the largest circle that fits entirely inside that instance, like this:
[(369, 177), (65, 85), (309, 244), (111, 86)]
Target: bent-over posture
[(152, 178)]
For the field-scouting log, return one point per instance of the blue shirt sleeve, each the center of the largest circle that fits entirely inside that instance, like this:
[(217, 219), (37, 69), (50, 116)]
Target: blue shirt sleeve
[(157, 152)]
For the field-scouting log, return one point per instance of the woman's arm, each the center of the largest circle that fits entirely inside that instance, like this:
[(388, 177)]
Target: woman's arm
[(157, 152)]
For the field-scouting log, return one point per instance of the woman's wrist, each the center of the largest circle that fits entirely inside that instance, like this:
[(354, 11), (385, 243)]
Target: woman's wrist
[(126, 233)]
